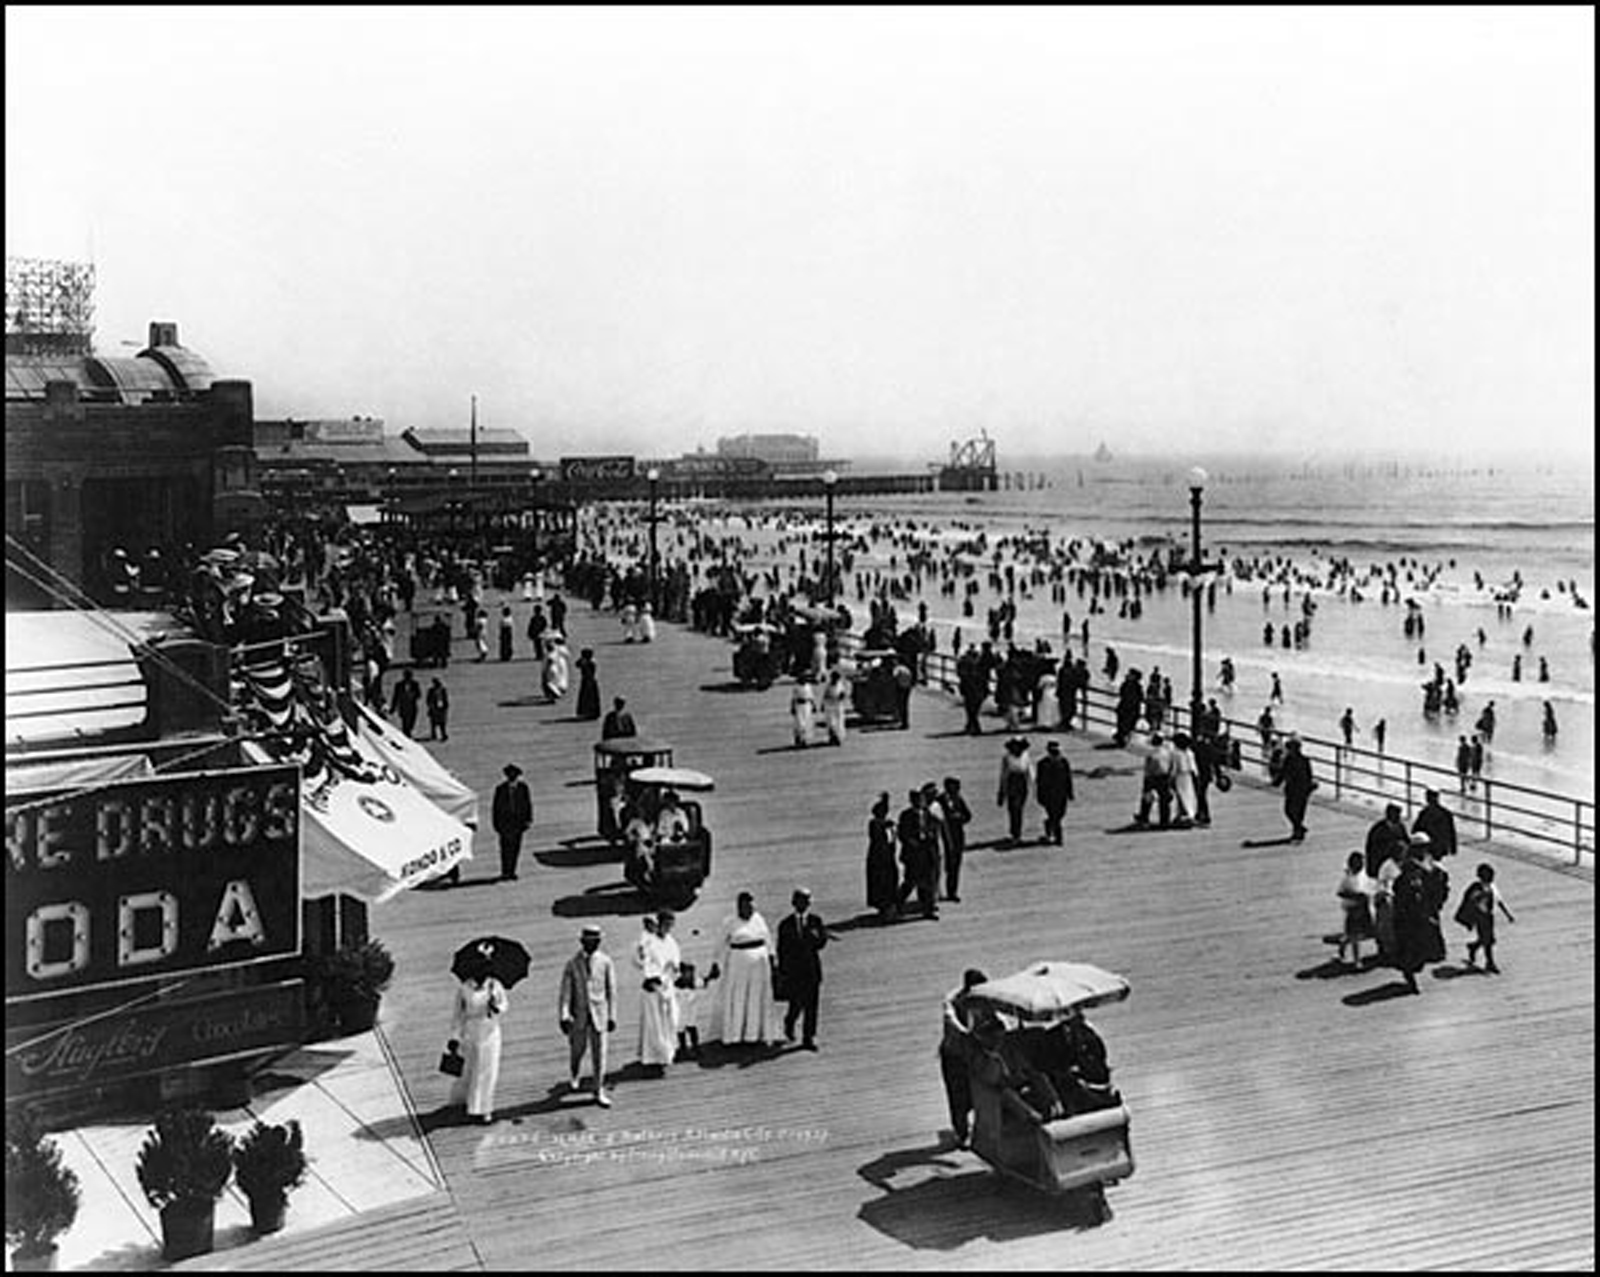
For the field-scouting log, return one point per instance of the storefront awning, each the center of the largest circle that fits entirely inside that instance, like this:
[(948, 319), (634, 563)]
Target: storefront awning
[(370, 835), (436, 783)]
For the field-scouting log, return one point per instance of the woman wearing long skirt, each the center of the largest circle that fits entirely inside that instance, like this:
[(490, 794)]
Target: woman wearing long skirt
[(588, 685), (556, 673), (835, 698), (1047, 704), (883, 873), (746, 1009), (802, 708), (1183, 777), (658, 960), (480, 1005)]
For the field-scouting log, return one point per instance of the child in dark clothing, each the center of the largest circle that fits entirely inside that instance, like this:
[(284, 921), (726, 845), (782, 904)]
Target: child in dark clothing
[(1477, 914)]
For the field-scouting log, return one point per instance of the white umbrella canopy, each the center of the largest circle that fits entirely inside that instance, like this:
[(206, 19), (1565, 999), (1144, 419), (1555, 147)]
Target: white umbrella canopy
[(1049, 990), (674, 777)]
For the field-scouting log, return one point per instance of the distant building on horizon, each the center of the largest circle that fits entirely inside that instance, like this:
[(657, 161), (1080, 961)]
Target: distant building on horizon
[(778, 449)]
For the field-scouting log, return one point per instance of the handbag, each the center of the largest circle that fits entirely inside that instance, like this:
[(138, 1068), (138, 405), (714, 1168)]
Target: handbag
[(1224, 782), (452, 1061)]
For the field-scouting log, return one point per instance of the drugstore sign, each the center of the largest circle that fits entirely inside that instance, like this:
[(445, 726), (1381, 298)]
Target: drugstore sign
[(152, 878)]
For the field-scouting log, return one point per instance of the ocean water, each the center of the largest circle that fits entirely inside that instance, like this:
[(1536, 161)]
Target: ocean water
[(1438, 529)]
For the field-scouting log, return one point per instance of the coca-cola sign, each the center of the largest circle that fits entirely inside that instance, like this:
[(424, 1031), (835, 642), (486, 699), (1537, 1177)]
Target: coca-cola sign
[(596, 469)]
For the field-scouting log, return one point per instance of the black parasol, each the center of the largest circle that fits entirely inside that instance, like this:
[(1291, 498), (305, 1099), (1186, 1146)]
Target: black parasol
[(506, 960)]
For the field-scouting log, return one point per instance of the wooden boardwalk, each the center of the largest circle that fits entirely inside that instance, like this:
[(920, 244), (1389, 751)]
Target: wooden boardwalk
[(1283, 1116)]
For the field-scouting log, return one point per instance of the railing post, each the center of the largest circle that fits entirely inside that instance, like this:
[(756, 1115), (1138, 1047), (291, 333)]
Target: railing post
[(1577, 832), (1488, 809), (1408, 785)]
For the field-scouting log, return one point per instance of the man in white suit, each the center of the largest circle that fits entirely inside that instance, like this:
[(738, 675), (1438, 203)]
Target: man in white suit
[(588, 1009)]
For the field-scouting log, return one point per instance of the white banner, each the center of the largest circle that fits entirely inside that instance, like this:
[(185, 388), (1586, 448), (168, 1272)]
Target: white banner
[(373, 836), (437, 784)]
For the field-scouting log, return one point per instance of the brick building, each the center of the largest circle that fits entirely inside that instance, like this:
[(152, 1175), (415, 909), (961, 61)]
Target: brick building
[(107, 452)]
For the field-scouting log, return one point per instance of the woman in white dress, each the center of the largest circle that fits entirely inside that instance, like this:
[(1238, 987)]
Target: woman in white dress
[(1046, 707), (480, 1005), (803, 708), (1183, 775), (630, 623), (647, 624), (557, 672), (835, 697), (746, 1010), (658, 960)]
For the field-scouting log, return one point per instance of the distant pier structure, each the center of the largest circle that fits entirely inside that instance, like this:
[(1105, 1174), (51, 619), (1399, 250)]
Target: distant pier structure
[(971, 467)]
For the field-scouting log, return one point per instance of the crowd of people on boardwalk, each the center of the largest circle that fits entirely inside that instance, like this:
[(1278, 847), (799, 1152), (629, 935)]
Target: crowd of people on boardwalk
[(1394, 892), (735, 1001), (907, 855)]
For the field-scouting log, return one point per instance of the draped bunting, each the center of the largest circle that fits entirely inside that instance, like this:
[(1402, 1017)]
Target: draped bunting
[(367, 829)]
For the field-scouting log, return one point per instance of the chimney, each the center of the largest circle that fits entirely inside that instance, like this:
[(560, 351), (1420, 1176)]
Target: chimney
[(163, 333)]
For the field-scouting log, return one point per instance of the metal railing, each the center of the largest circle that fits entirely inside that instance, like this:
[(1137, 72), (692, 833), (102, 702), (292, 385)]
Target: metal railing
[(1501, 809)]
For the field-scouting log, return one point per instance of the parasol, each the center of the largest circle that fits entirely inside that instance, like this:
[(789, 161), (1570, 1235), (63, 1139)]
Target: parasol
[(673, 777), (506, 960), (1048, 990)]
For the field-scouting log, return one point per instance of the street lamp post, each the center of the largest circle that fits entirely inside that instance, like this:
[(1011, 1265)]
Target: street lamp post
[(829, 479), (389, 512), (1197, 484), (654, 475), (450, 496)]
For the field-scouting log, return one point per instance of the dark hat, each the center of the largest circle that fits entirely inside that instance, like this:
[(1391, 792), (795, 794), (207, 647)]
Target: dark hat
[(592, 930), (1054, 747), (800, 893), (511, 769)]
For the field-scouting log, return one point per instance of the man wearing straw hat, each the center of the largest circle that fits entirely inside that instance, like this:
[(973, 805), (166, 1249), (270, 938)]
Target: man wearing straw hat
[(588, 1009)]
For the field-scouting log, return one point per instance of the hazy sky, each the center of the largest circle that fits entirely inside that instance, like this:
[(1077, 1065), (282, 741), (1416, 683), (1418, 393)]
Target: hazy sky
[(636, 230)]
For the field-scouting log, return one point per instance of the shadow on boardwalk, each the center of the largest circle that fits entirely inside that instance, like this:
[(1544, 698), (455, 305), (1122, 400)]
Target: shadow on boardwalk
[(949, 1207)]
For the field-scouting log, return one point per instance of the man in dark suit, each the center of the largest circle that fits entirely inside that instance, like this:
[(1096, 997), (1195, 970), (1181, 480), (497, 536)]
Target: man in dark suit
[(513, 814), (618, 722), (1053, 784), (801, 937), (407, 696)]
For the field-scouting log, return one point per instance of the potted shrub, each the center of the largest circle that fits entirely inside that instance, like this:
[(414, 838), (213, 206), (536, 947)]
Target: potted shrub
[(41, 1195), (355, 978), (267, 1163), (183, 1167)]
